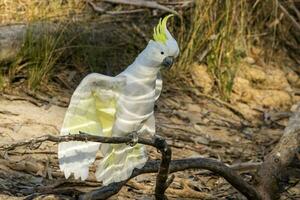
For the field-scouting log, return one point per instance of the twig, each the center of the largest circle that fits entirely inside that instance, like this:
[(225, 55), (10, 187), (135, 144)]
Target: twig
[(143, 3), (150, 167), (95, 8), (294, 8), (44, 98), (180, 3), (140, 32), (77, 137), (295, 23), (272, 170), (103, 11), (271, 117), (6, 112), (19, 98)]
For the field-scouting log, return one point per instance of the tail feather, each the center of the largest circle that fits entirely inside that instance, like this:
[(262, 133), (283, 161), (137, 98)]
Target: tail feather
[(119, 163), (76, 157)]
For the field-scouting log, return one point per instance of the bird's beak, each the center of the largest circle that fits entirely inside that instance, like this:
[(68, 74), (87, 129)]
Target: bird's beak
[(168, 62)]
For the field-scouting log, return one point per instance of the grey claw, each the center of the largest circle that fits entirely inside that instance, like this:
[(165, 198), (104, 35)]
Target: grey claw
[(135, 138)]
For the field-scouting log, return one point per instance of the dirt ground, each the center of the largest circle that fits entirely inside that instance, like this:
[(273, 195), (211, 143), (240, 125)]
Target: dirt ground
[(195, 124)]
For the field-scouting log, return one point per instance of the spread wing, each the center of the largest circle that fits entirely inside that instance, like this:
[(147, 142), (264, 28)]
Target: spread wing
[(92, 110)]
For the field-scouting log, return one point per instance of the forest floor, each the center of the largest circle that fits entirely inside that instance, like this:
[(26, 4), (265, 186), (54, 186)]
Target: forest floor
[(194, 123)]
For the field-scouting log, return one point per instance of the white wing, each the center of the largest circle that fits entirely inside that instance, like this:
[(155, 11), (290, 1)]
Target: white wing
[(92, 110), (158, 86)]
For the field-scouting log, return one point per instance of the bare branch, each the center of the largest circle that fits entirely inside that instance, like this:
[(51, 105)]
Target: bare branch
[(143, 3), (103, 11), (76, 137)]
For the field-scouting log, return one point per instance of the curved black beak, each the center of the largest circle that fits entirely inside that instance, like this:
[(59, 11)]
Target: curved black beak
[(168, 62)]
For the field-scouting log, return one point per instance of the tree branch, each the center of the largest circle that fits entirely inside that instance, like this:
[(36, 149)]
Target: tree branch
[(31, 143), (162, 167)]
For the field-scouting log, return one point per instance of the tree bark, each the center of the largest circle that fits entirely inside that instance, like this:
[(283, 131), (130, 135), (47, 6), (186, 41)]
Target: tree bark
[(272, 172)]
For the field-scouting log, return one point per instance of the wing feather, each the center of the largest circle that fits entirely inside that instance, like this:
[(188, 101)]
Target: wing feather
[(158, 86), (92, 110)]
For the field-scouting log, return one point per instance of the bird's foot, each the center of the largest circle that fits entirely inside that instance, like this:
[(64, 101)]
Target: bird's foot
[(135, 138)]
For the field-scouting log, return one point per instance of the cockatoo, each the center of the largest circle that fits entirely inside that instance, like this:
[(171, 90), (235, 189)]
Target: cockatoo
[(116, 106)]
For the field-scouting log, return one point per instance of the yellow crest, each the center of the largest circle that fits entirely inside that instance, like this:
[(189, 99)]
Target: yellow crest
[(159, 34)]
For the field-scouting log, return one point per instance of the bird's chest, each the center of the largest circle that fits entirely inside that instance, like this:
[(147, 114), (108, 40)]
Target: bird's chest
[(137, 100)]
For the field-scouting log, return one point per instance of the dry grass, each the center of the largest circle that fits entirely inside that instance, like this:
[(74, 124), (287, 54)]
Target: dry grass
[(20, 11), (220, 33), (216, 33), (215, 36), (42, 54)]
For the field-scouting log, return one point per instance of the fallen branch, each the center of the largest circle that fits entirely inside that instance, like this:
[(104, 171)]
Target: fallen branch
[(162, 167), (103, 11), (143, 3)]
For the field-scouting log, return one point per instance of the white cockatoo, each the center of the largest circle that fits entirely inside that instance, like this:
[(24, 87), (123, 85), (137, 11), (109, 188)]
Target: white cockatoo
[(116, 106)]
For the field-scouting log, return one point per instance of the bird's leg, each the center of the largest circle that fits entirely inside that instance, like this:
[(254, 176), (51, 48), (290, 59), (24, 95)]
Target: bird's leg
[(135, 134), (161, 139), (135, 138)]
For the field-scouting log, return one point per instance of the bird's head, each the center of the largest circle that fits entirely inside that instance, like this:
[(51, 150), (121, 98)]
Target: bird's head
[(164, 48)]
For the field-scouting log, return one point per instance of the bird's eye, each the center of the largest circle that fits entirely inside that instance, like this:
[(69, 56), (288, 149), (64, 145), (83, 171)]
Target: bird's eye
[(162, 53)]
